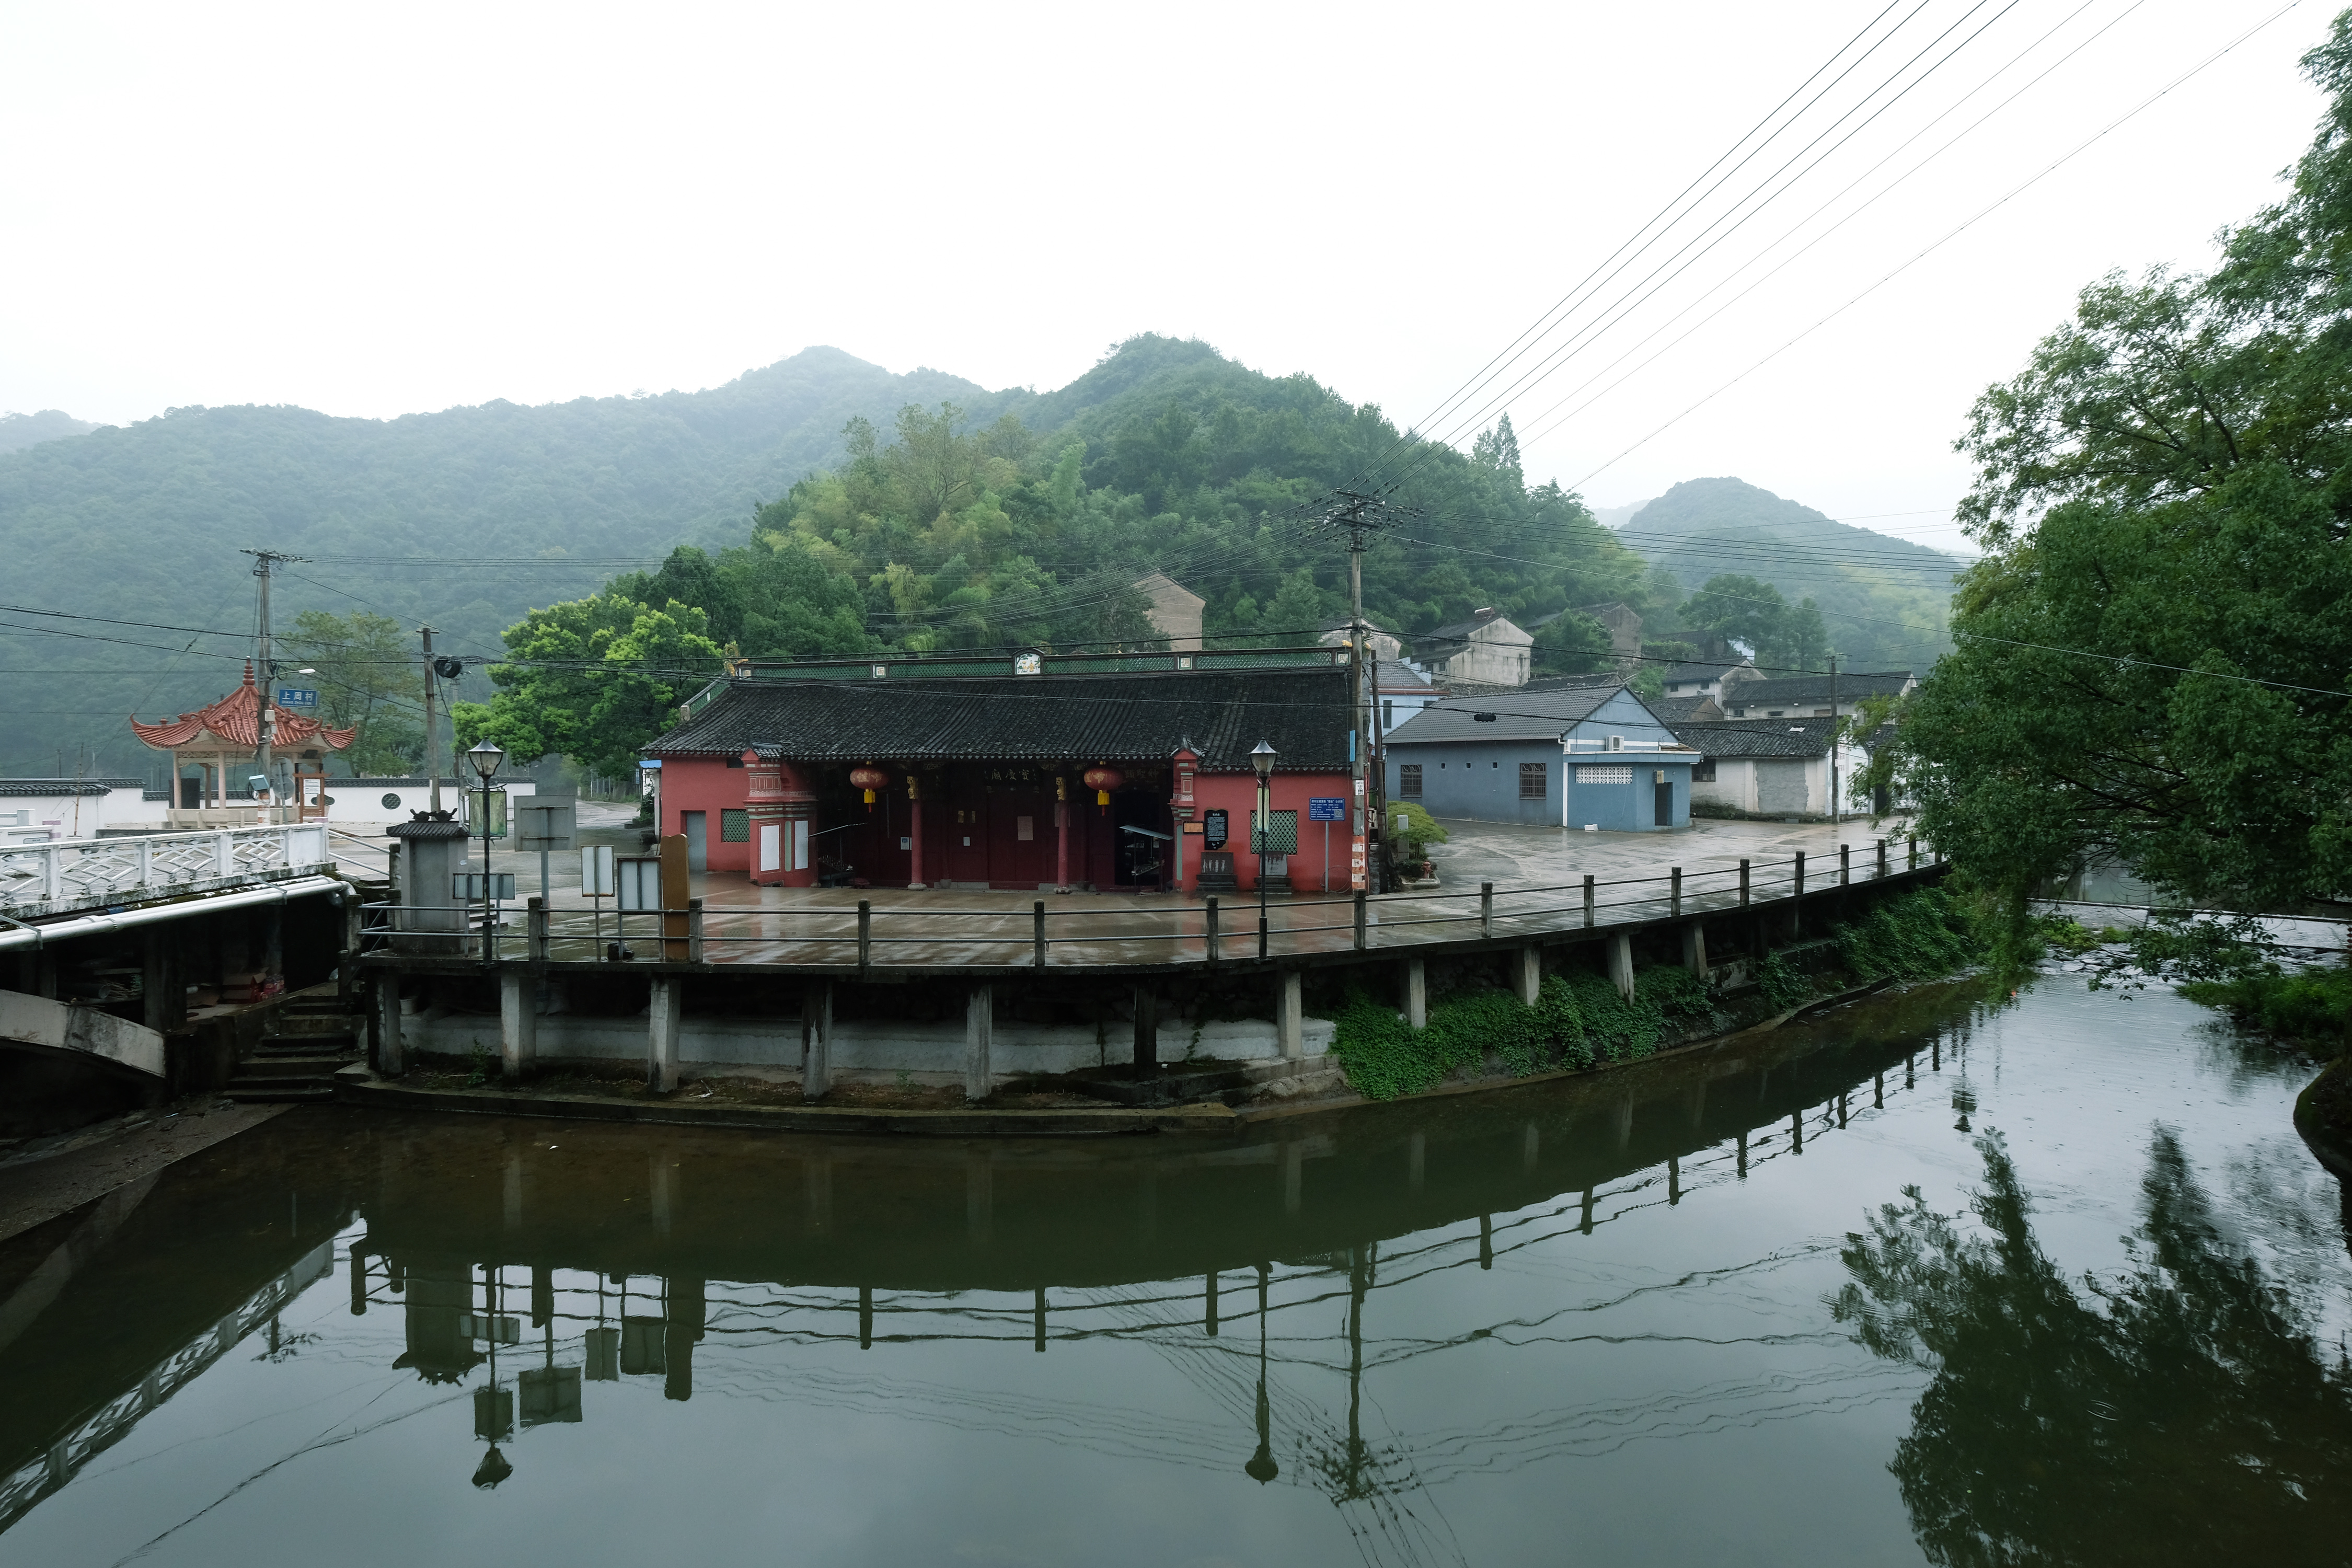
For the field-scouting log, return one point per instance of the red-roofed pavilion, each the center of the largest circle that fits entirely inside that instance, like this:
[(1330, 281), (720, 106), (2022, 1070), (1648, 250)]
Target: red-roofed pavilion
[(227, 734)]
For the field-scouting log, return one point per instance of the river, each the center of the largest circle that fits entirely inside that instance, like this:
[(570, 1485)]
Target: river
[(1660, 1315)]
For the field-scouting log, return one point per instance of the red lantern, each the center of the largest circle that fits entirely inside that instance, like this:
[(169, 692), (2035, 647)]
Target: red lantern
[(869, 780), (1102, 780)]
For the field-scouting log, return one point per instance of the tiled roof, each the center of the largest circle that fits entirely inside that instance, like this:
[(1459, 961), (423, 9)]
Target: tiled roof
[(1796, 691), (1523, 713), (236, 718), (1701, 669), (85, 787), (1757, 737), (1683, 709), (1301, 712)]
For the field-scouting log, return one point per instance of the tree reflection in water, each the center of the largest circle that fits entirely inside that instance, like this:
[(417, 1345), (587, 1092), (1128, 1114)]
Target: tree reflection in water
[(2182, 1410)]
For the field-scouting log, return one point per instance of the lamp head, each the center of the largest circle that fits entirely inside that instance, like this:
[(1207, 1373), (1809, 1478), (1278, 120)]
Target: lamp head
[(1262, 758), (485, 758)]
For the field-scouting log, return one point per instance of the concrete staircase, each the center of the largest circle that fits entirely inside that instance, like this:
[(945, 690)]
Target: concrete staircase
[(312, 1037)]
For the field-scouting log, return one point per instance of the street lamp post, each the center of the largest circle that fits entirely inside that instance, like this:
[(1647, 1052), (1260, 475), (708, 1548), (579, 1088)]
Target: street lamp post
[(486, 757), (1262, 758)]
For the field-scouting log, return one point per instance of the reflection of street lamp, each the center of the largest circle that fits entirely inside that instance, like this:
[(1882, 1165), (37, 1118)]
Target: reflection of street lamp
[(486, 757), (1262, 758), (1261, 1468)]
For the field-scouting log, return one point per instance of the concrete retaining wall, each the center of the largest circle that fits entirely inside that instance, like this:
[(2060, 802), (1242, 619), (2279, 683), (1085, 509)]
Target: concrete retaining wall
[(877, 1049)]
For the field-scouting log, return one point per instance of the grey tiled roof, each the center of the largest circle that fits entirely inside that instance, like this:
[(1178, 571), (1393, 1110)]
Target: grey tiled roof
[(1301, 712), (1796, 691), (1757, 737), (1521, 714), (1683, 709), (1700, 669), (86, 787)]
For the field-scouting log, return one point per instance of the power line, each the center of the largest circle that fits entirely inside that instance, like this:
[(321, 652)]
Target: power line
[(1682, 260), (1954, 234)]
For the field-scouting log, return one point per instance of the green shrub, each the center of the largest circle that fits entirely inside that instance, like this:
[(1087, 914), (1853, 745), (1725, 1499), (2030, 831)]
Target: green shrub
[(1783, 984), (1914, 937), (2313, 1006)]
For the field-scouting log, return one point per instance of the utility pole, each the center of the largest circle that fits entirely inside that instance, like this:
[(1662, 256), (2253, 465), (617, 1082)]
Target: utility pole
[(1836, 804), (432, 735), (263, 561), (1357, 515)]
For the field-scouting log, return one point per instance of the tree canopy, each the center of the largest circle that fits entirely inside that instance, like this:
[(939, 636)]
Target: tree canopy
[(2153, 655)]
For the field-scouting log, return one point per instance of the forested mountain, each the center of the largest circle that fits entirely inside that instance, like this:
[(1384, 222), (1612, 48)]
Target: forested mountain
[(1886, 601), (21, 430), (830, 507)]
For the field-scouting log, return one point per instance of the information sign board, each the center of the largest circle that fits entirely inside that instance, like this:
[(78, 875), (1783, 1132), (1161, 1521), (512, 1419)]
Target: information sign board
[(1326, 808), (297, 697)]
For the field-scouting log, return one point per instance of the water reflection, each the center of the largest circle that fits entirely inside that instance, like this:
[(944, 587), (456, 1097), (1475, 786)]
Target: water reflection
[(2180, 1409), (1378, 1314)]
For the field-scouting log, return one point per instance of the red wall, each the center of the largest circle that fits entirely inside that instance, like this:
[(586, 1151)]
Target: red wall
[(706, 784), (1237, 794)]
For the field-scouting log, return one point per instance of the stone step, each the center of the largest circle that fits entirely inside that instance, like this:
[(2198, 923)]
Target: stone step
[(278, 1091), (311, 1064)]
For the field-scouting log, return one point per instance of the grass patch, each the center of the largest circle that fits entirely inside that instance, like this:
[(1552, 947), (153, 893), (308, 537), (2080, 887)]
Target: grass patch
[(1576, 1022), (2313, 1007)]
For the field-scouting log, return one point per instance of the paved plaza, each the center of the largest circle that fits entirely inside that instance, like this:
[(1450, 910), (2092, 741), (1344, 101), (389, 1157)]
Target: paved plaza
[(1537, 875)]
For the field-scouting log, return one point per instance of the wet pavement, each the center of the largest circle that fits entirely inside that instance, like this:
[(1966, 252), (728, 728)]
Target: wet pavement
[(1537, 873)]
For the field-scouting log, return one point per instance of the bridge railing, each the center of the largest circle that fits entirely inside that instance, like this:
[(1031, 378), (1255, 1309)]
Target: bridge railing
[(94, 873), (872, 935)]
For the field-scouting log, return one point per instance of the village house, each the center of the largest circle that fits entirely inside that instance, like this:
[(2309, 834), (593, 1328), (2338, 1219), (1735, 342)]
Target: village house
[(1778, 769), (1708, 678), (1175, 611), (1028, 771), (1812, 696), (1487, 649), (1562, 757)]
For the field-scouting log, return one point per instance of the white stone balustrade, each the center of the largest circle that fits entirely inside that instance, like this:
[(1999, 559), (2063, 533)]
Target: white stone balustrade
[(94, 873)]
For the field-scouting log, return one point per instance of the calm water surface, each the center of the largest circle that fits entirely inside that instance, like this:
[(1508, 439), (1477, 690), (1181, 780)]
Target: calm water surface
[(1680, 1313)]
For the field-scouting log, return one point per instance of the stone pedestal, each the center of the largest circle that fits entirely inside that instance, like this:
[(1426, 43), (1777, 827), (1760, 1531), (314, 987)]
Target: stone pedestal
[(430, 918)]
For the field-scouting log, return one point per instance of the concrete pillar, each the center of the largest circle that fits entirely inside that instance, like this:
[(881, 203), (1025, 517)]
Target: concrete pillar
[(1416, 993), (663, 1019), (816, 1040), (517, 1023), (1695, 948), (164, 994), (1289, 1016), (273, 940), (1146, 1032), (1527, 974), (390, 1056), (1621, 965), (979, 1027)]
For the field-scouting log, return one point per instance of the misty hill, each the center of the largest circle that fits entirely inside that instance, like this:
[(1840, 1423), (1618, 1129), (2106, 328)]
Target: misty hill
[(1886, 600), (21, 430)]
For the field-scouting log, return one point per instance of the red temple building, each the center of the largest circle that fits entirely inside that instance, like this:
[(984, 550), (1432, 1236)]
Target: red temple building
[(1034, 772), (222, 744)]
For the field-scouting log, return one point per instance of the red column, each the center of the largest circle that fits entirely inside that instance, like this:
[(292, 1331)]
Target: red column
[(1061, 834), (915, 829)]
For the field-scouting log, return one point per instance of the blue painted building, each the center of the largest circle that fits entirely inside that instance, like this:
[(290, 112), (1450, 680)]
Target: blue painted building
[(1567, 757)]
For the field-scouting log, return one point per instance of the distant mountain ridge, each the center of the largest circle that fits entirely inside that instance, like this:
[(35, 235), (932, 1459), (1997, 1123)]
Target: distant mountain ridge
[(1886, 600), (19, 431)]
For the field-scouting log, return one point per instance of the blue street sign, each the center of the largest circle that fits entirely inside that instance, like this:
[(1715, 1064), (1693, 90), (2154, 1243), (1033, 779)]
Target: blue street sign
[(1326, 808), (297, 697)]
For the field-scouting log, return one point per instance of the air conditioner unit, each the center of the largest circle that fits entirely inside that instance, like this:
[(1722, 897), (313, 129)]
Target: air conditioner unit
[(1616, 743)]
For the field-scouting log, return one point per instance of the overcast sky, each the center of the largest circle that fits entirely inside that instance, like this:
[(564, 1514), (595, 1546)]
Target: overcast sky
[(374, 211)]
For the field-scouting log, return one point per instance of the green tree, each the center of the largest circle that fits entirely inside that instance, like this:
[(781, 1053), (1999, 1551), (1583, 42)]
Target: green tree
[(1571, 643), (2152, 651), (594, 680), (1731, 608), (369, 677)]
